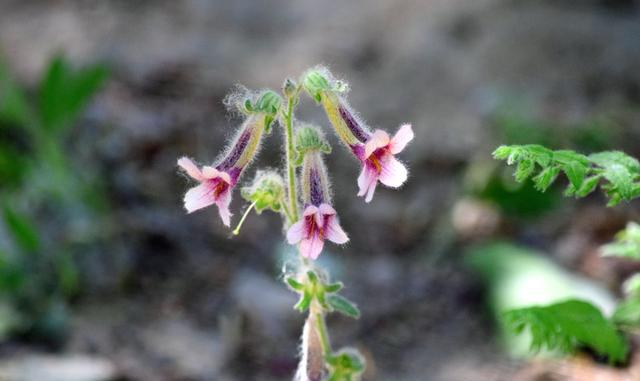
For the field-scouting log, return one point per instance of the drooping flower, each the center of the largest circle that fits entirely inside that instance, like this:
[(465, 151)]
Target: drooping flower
[(217, 181), (375, 150), (319, 220), (379, 162)]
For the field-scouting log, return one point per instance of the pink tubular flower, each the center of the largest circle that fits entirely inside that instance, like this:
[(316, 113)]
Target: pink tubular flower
[(317, 224), (374, 150), (319, 220), (215, 188), (378, 160), (217, 182)]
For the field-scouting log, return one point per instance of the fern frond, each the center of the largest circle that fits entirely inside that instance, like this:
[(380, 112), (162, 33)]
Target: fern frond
[(617, 173), (566, 325)]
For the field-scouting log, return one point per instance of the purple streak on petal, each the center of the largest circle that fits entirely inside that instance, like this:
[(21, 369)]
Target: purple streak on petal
[(358, 151), (353, 124), (234, 174), (236, 151)]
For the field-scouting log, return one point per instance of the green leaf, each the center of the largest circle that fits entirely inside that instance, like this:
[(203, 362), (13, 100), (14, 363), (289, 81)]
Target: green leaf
[(627, 313), (343, 305), (304, 302), (626, 243), (14, 108), (294, 284), (575, 171), (524, 170), (545, 178), (22, 230), (588, 186), (64, 92), (608, 158), (333, 287), (567, 325), (502, 152), (621, 172)]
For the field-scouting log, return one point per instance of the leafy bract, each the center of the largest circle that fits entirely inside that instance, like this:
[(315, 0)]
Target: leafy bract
[(567, 325)]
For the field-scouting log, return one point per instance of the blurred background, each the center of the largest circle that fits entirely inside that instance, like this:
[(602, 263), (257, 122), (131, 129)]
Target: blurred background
[(104, 277)]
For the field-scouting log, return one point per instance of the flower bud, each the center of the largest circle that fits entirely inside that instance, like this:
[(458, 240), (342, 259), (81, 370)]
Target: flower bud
[(327, 91), (267, 191), (289, 88), (346, 365), (309, 138)]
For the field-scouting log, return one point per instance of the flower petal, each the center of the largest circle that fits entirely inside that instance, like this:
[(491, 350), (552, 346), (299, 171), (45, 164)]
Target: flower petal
[(311, 247), (296, 232), (334, 232), (367, 176), (379, 139), (223, 201), (401, 138), (212, 173), (191, 169), (199, 197), (310, 210), (370, 191), (319, 219), (393, 173), (326, 209), (367, 182)]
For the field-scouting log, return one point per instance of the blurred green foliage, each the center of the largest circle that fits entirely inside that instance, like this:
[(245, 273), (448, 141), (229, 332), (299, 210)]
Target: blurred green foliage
[(526, 290), (512, 124), (45, 198), (617, 173), (567, 325)]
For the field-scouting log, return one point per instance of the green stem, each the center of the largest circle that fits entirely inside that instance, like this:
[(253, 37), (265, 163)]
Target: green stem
[(291, 170), (321, 326)]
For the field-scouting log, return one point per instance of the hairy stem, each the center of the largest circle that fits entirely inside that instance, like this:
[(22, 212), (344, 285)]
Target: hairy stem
[(321, 326), (291, 170)]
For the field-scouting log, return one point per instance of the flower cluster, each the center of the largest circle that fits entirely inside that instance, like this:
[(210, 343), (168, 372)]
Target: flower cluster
[(310, 219), (375, 150)]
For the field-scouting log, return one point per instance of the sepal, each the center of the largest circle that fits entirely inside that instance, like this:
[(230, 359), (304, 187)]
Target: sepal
[(267, 191), (309, 138), (313, 288), (345, 365)]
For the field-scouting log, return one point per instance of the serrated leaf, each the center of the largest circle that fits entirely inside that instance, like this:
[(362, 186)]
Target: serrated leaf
[(608, 158), (545, 178), (575, 172), (343, 305), (502, 152), (566, 325), (588, 186), (524, 170), (621, 179)]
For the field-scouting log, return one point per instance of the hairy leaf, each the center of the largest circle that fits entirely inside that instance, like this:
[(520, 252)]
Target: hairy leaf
[(343, 305)]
